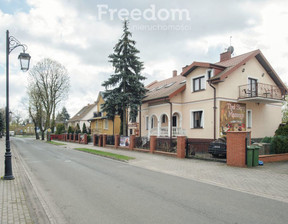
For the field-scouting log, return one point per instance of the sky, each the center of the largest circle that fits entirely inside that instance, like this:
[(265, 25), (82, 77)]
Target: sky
[(80, 34)]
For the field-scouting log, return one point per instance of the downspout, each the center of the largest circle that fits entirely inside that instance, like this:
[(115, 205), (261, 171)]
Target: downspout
[(170, 120), (168, 101), (140, 121), (214, 108)]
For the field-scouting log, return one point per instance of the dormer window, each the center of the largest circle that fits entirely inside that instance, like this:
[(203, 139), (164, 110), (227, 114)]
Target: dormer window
[(210, 73), (160, 87)]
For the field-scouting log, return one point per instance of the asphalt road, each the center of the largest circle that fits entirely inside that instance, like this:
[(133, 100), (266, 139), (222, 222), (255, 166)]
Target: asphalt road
[(77, 187)]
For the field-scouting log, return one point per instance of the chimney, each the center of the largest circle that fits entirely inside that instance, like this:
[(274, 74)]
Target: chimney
[(225, 56), (174, 73)]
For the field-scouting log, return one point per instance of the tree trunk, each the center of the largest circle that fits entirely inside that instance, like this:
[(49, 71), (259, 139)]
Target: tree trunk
[(36, 133), (43, 135)]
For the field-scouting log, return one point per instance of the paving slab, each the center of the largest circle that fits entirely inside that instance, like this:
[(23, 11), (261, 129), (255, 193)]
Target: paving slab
[(13, 202)]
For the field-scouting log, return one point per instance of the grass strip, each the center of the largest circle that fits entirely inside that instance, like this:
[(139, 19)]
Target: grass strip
[(106, 154), (55, 143)]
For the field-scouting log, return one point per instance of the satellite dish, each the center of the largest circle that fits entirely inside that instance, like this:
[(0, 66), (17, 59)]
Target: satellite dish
[(230, 49)]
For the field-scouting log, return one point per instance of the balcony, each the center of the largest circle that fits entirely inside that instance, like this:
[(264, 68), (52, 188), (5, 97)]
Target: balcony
[(164, 132), (261, 93), (97, 114)]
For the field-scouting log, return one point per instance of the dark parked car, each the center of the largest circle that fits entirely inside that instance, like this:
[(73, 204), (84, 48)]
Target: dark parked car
[(218, 147)]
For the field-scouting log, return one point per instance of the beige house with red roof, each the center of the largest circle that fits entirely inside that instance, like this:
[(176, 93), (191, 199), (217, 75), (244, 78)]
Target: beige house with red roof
[(83, 116), (206, 100)]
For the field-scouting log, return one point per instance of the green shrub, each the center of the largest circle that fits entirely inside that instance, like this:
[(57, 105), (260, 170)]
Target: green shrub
[(89, 139), (60, 129), (70, 130), (279, 144), (84, 129), (266, 139), (77, 129), (282, 130)]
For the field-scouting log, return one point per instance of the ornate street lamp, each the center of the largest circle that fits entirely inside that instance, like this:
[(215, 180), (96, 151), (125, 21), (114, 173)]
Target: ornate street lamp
[(11, 44)]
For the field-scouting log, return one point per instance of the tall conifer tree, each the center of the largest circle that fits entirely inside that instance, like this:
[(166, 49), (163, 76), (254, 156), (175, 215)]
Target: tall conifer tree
[(124, 89)]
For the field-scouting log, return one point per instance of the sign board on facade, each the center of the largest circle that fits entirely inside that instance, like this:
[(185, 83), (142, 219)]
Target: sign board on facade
[(133, 125), (232, 117), (124, 141)]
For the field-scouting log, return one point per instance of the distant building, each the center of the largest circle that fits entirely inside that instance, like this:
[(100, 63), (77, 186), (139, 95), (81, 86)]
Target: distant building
[(100, 124), (83, 116)]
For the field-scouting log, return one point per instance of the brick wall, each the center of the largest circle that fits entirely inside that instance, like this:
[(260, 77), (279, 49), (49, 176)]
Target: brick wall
[(236, 149)]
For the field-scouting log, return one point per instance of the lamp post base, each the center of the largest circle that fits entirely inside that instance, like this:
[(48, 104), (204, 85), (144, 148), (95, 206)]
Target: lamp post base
[(8, 167), (9, 177)]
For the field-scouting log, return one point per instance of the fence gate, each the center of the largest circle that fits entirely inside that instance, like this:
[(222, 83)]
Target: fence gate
[(198, 149)]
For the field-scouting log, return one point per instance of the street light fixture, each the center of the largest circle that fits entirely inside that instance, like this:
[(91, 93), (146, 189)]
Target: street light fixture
[(24, 61), (11, 44)]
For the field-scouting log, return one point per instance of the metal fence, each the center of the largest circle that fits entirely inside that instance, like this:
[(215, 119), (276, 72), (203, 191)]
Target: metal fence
[(198, 148), (96, 139), (166, 145), (110, 140), (142, 143)]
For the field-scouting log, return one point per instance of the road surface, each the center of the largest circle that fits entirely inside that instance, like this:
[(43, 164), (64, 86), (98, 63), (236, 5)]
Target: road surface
[(77, 187)]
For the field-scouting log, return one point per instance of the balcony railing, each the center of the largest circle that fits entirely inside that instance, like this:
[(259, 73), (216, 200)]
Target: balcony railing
[(261, 90), (97, 114), (176, 131)]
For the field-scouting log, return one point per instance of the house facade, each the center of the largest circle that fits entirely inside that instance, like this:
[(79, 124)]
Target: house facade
[(206, 100), (83, 116), (100, 124)]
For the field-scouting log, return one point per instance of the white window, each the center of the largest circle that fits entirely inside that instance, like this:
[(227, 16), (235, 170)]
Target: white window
[(249, 119), (106, 124), (198, 83), (210, 73), (197, 119), (152, 122), (146, 122), (163, 119)]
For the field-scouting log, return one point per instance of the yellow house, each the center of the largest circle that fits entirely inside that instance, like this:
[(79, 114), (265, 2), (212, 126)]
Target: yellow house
[(100, 124)]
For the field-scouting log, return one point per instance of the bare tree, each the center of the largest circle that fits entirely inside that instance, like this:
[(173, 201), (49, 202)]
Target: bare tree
[(35, 109), (49, 85)]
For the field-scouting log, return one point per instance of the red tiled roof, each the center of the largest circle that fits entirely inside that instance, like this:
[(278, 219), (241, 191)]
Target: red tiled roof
[(238, 59), (233, 64), (223, 68), (85, 110), (227, 67), (165, 88)]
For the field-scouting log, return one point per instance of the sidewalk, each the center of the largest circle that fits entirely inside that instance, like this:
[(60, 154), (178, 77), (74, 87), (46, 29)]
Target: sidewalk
[(270, 180), (13, 203)]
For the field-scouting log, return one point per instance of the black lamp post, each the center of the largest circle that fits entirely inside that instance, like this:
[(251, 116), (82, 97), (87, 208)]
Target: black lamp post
[(11, 44)]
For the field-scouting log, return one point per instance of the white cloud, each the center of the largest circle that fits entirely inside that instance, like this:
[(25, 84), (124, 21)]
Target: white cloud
[(69, 32)]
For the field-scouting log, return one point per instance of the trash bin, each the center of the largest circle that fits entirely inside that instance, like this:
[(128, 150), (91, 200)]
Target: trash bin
[(255, 155), (250, 155)]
